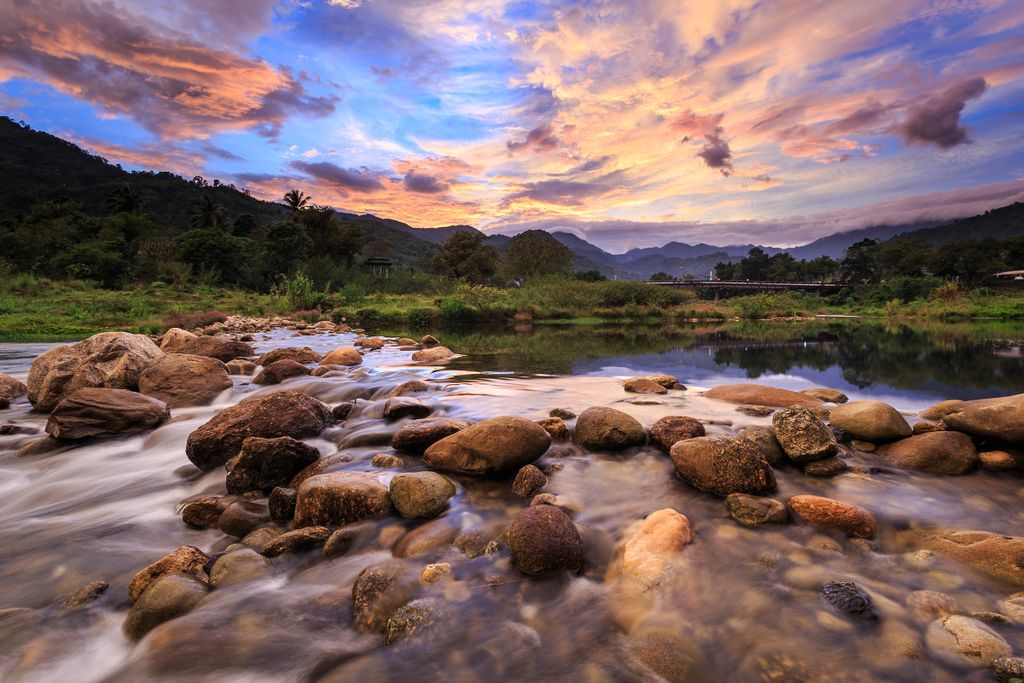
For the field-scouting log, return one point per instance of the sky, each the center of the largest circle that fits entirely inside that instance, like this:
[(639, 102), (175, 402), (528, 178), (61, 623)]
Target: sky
[(627, 122)]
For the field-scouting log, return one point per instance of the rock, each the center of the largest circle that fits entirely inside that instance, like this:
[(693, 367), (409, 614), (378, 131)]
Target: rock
[(1001, 557), (404, 406), (413, 619), (343, 355), (180, 379), (425, 539), (543, 539), (1001, 418), (528, 481), (295, 541), (168, 597), (1008, 669), (87, 594), (672, 428), (341, 411), (556, 428), (429, 340), (205, 511), (258, 538), (755, 510), (764, 439), (496, 445), (93, 412), (755, 411), (825, 394), (387, 461), (643, 385), (264, 463), (279, 371), (567, 505), (938, 452), (10, 389), (803, 436), (433, 355), (378, 592), (608, 429), (670, 654), (184, 560), (110, 360), (847, 598), (242, 367), (238, 566), (176, 340), (421, 495), (562, 413), (827, 513), (651, 546), (723, 465), (828, 467), (937, 411), (412, 386), (370, 342), (241, 517), (418, 435), (339, 498), (437, 571), (863, 446), (283, 413), (997, 461), (931, 605), (302, 355), (342, 540), (958, 640), (757, 394), (281, 503), (870, 421)]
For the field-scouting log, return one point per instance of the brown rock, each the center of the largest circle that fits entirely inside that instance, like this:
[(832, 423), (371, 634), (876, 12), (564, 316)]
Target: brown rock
[(827, 513), (238, 566), (239, 366), (827, 467), (938, 452), (281, 503), (284, 413), (379, 591), (426, 538), (562, 413), (669, 653), (672, 428), (279, 371), (93, 412), (185, 560), (111, 360), (556, 427), (543, 539), (343, 540), (433, 354), (87, 594), (242, 517), (755, 411), (496, 445), (263, 463), (992, 418), (643, 385), (803, 436), (299, 354), (923, 427), (341, 411), (168, 597), (608, 429), (994, 555), (370, 342), (180, 379), (937, 411), (298, 540), (176, 340), (204, 512), (429, 340), (339, 498), (343, 355), (870, 421), (10, 389), (421, 495), (764, 439), (960, 640), (997, 461), (386, 461), (825, 394), (757, 394), (650, 547), (418, 435), (405, 406), (754, 510), (723, 465), (528, 481)]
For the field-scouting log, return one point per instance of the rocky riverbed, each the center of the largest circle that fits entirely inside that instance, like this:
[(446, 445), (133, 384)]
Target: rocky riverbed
[(271, 500)]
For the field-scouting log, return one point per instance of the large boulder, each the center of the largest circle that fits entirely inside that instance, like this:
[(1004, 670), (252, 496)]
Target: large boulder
[(421, 495), (418, 435), (939, 452), (177, 340), (263, 464), (723, 465), (279, 371), (940, 409), (649, 549), (398, 407), (499, 444), (284, 413), (959, 640), (167, 598), (182, 379), (184, 560), (544, 539), (760, 395), (870, 421), (608, 429), (995, 555), (10, 389), (764, 438), (433, 354), (97, 412), (834, 515), (112, 360), (343, 355), (802, 435), (339, 498), (299, 354), (672, 428), (992, 418)]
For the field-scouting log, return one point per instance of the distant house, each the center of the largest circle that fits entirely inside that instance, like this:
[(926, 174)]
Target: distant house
[(379, 265), (1010, 275)]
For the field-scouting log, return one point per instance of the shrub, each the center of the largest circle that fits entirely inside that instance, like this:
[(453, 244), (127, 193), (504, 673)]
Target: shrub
[(300, 291), (454, 309), (309, 315), (892, 308), (188, 321), (948, 291)]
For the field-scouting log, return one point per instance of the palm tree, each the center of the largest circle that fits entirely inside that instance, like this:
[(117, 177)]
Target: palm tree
[(296, 200), (125, 199), (207, 213)]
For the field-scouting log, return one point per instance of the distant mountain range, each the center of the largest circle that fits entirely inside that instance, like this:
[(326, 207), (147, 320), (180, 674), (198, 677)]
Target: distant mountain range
[(38, 166)]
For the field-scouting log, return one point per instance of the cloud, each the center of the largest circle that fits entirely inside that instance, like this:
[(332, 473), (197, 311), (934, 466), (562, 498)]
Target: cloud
[(424, 184), (356, 180), (936, 121), (539, 139), (564, 192), (715, 152)]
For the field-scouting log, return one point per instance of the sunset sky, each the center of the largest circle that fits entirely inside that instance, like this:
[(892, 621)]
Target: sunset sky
[(631, 123)]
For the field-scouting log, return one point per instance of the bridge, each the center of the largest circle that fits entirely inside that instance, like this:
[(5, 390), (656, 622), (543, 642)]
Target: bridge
[(754, 285)]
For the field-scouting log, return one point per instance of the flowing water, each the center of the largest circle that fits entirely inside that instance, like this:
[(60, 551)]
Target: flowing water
[(739, 604)]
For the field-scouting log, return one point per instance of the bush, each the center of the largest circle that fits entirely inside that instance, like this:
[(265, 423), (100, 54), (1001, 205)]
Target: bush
[(188, 321), (309, 315), (454, 309), (948, 292), (300, 291)]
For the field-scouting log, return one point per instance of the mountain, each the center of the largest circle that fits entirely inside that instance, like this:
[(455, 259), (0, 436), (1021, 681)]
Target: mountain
[(1003, 223), (835, 245)]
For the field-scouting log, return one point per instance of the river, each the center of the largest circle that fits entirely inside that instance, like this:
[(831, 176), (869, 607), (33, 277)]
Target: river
[(744, 605)]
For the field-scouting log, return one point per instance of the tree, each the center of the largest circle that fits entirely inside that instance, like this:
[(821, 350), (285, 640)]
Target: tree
[(661, 276), (860, 264), (244, 225), (466, 257), (590, 276), (125, 199), (534, 253), (215, 251), (287, 247), (207, 213), (296, 200), (754, 264)]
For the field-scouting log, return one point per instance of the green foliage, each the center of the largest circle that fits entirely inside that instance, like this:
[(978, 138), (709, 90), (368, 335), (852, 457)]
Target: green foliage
[(287, 246), (465, 256), (536, 253), (784, 305), (589, 276), (454, 309), (300, 291), (662, 276)]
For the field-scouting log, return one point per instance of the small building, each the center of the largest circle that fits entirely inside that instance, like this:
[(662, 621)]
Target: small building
[(379, 265), (1010, 275)]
